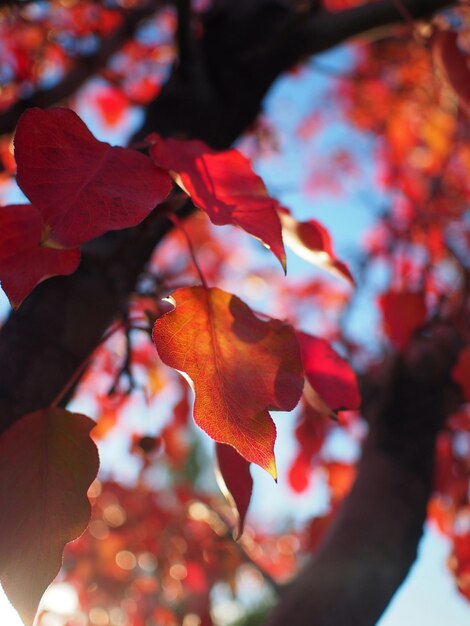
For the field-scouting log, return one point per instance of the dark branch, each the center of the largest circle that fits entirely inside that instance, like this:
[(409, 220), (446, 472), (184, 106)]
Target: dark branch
[(247, 46), (372, 544), (184, 35)]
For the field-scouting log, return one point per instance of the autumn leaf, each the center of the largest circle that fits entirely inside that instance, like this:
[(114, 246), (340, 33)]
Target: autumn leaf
[(24, 260), (461, 372), (403, 312), (299, 473), (82, 187), (453, 64), (330, 376), (240, 367), (235, 481), (310, 433), (224, 185), (47, 463), (312, 242)]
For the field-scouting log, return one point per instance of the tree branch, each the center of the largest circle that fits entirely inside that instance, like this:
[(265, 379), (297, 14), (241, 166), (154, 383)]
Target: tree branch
[(246, 46)]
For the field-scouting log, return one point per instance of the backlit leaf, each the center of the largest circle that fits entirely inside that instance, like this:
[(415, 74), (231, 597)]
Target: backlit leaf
[(82, 187), (330, 376), (24, 262), (240, 367), (403, 312), (47, 463), (224, 185), (312, 242), (453, 63), (235, 482)]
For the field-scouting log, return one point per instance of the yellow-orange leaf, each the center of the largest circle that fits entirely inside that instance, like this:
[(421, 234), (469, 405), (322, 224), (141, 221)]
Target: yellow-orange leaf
[(47, 463), (240, 367)]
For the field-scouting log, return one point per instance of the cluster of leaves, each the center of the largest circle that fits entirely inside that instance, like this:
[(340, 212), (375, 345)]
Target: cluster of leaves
[(239, 363), (142, 554), (415, 99)]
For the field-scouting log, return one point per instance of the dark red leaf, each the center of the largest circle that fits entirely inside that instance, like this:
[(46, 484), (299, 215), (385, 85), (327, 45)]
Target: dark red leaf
[(24, 262), (330, 375), (235, 482), (47, 463), (82, 187), (461, 372), (453, 63)]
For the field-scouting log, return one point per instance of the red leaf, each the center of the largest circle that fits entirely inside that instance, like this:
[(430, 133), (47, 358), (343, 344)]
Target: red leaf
[(235, 482), (224, 185), (82, 187), (459, 562), (47, 463), (311, 430), (403, 313), (112, 104), (329, 374), (461, 372), (312, 242), (24, 262), (299, 473), (240, 366), (453, 64)]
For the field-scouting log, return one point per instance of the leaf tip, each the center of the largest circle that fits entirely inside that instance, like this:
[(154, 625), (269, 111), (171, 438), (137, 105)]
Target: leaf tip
[(271, 468)]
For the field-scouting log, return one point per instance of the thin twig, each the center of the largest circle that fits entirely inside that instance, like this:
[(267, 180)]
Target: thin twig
[(64, 392), (277, 588)]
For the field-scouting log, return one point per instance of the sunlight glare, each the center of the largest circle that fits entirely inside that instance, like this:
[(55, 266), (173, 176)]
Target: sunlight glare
[(8, 615)]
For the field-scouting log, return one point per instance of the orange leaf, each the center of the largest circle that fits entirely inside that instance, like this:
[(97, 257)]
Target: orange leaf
[(240, 366), (47, 463), (224, 185)]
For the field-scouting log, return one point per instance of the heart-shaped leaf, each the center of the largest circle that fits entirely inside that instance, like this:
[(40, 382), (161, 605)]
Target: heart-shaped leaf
[(82, 187), (47, 463), (24, 261)]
